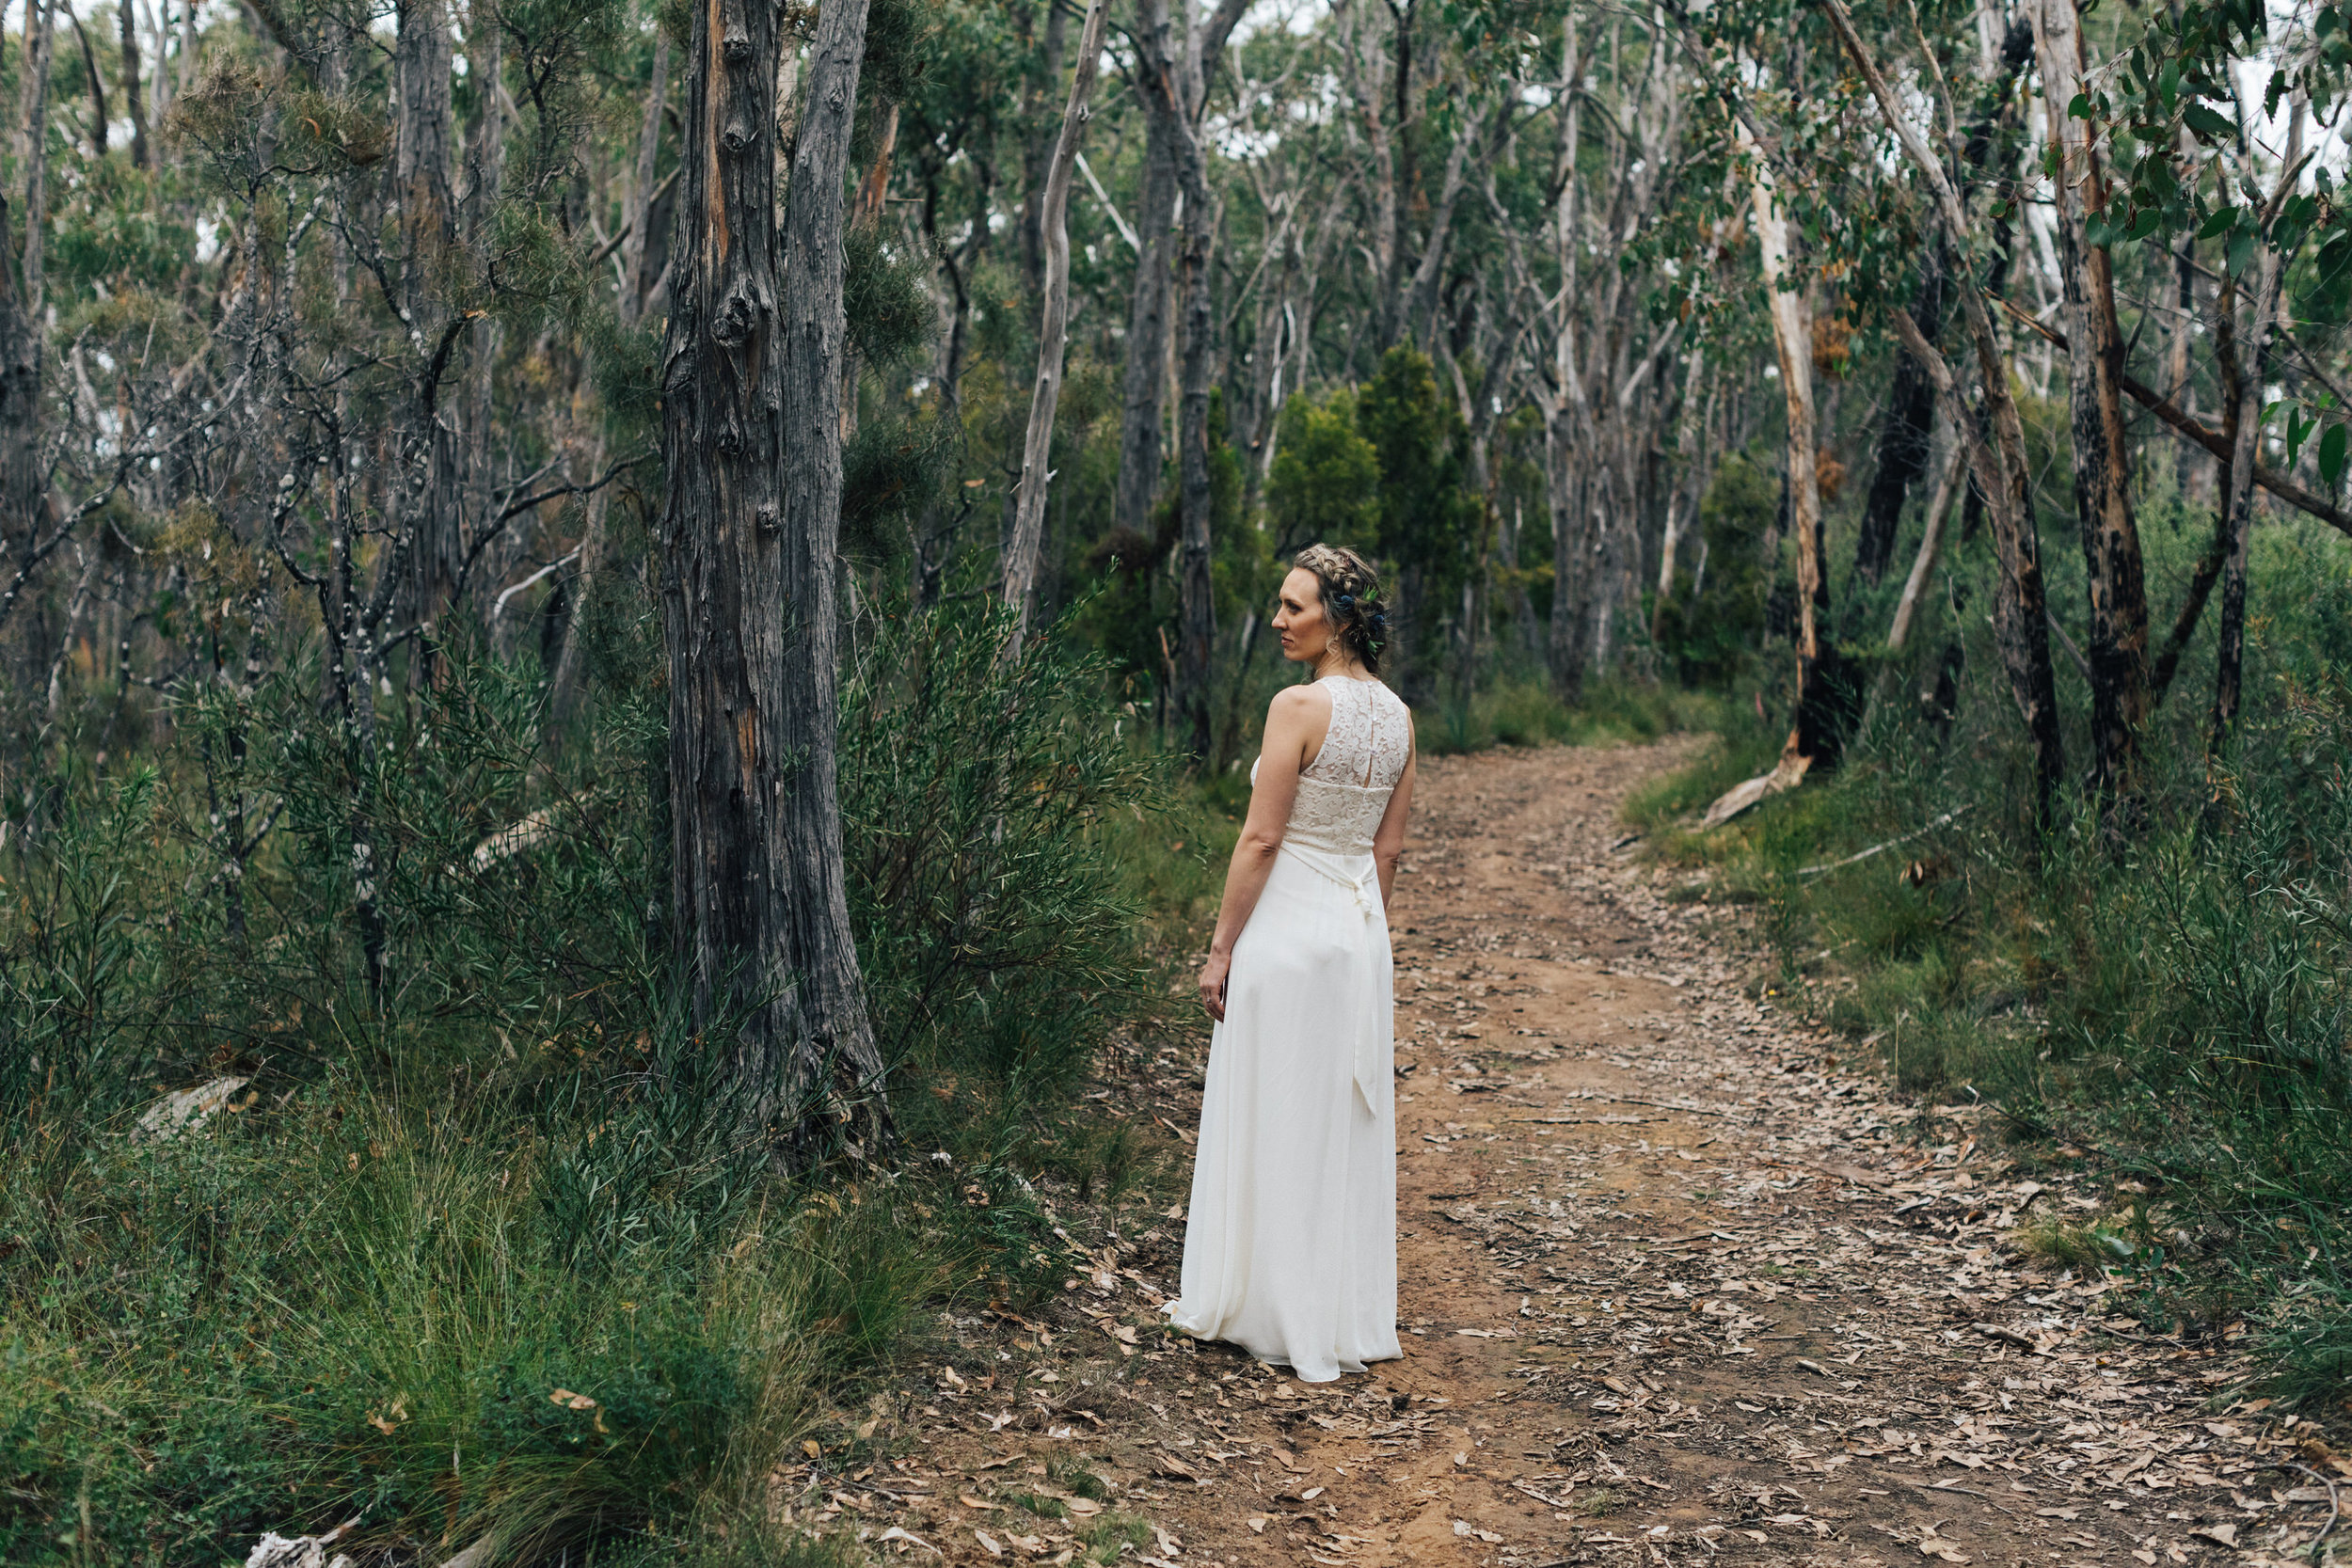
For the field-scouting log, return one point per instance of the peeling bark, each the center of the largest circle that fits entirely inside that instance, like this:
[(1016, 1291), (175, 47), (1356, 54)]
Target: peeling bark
[(1028, 530), (2118, 635), (751, 435)]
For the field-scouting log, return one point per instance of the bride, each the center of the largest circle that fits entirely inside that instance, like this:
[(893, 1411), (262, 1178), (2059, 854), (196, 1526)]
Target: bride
[(1291, 1249)]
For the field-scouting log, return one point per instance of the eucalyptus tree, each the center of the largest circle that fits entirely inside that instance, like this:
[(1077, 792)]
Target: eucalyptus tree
[(752, 389), (1618, 146)]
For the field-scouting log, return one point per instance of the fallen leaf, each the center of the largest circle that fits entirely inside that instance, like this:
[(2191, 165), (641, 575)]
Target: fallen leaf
[(895, 1534), (1168, 1465), (988, 1543), (2220, 1535)]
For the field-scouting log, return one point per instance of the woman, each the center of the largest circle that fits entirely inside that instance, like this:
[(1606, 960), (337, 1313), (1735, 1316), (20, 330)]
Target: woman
[(1290, 1252)]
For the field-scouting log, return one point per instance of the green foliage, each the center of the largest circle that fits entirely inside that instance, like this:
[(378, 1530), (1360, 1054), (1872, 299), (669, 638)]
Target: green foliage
[(985, 800), (1425, 518), (1324, 482), (2180, 1001), (890, 471), (889, 315), (1707, 629), (1525, 713), (482, 1252)]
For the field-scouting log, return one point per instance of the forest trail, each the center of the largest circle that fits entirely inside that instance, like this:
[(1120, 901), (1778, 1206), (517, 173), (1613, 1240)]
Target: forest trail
[(1678, 1288)]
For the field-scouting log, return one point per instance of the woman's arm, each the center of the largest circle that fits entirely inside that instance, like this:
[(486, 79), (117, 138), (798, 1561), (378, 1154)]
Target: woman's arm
[(1293, 722), (1387, 840)]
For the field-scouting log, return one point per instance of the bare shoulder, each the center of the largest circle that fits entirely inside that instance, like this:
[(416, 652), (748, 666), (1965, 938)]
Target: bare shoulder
[(1294, 702)]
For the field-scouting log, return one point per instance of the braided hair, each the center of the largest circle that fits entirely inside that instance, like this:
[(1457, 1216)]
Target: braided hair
[(1351, 599)]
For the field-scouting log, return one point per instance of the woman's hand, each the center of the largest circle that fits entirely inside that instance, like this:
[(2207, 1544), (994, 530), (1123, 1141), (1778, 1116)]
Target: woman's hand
[(1213, 976)]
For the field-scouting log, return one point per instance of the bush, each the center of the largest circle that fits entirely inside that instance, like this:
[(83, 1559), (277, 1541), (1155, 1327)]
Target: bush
[(2177, 995), (475, 1250)]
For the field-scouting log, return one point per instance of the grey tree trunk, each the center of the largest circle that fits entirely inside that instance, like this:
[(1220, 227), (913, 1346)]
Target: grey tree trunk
[(23, 494), (1564, 646), (139, 154), (1028, 530), (751, 437), (2238, 504), (2118, 634), (1903, 446), (1041, 142), (425, 445), (636, 284), (486, 173), (2020, 611), (1197, 636), (1143, 382)]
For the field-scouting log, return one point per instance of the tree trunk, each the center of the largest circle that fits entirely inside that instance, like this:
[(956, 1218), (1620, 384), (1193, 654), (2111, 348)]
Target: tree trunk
[(23, 493), (486, 173), (1407, 176), (1819, 721), (1041, 144), (1198, 631), (1688, 435), (1903, 443), (2229, 662), (2118, 636), (751, 440), (1146, 316), (1564, 643), (1930, 546), (139, 154), (564, 686), (97, 89), (1029, 528), (2020, 612), (2207, 573), (2179, 385), (426, 451), (635, 281)]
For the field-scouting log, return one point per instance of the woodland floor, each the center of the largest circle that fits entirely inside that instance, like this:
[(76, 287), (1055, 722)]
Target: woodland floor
[(1679, 1285)]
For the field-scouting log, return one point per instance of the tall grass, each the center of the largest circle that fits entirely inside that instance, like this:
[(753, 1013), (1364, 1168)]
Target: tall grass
[(478, 1253)]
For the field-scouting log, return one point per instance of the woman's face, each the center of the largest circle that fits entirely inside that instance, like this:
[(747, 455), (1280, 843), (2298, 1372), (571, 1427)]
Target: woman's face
[(1306, 632)]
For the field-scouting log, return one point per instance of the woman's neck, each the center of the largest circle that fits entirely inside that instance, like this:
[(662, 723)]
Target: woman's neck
[(1334, 662)]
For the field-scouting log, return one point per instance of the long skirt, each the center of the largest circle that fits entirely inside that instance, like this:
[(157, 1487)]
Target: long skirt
[(1290, 1250)]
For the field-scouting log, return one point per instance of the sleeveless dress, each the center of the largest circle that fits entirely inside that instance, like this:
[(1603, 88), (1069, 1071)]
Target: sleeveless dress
[(1290, 1251)]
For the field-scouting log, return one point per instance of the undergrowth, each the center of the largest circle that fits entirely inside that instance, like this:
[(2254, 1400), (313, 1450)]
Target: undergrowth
[(474, 1251), (1522, 711), (2160, 990)]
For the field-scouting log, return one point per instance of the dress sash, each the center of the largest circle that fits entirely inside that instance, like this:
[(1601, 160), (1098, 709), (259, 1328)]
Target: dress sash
[(1361, 875)]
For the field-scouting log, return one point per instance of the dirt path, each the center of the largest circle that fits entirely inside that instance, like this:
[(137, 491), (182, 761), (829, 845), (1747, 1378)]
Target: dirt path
[(1678, 1288)]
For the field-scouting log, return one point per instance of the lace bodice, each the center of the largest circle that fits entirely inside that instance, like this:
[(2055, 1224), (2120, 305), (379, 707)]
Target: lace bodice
[(1344, 791)]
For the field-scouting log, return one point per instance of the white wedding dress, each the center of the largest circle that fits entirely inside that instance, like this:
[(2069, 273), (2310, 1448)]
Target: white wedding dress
[(1290, 1250)]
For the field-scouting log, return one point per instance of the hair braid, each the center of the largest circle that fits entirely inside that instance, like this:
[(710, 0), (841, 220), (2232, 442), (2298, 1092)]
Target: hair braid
[(1351, 599)]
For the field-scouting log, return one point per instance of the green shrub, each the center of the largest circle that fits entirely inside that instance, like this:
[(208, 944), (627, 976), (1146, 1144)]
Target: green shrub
[(2175, 992), (477, 1250)]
